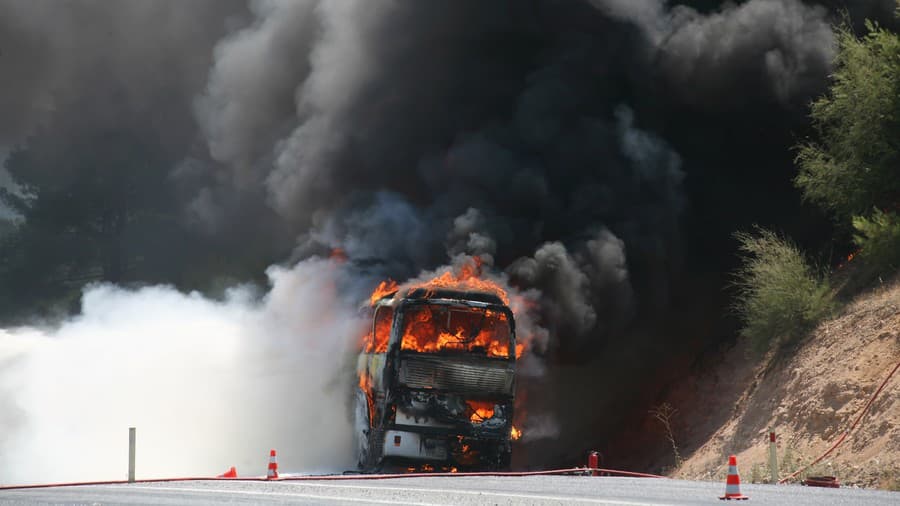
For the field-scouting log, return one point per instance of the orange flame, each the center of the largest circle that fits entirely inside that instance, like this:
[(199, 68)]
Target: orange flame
[(365, 385), (481, 410), (376, 341), (419, 334), (468, 279), (850, 258), (384, 288), (338, 255), (515, 434)]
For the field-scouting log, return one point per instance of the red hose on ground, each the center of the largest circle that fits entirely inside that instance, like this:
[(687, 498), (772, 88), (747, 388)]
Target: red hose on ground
[(341, 477), (110, 482), (847, 432)]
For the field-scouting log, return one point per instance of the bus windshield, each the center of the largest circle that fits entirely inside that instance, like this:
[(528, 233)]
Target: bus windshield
[(437, 328)]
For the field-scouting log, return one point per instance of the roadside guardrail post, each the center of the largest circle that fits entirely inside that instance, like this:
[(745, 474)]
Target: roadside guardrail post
[(132, 433), (773, 458)]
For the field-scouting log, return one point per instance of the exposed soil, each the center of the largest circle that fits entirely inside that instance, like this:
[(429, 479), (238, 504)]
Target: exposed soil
[(809, 397)]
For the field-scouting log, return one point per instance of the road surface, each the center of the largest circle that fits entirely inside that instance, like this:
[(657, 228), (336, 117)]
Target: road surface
[(446, 491)]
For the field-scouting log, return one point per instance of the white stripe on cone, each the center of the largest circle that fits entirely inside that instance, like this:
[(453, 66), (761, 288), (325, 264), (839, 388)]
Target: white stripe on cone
[(735, 488), (273, 466), (733, 481)]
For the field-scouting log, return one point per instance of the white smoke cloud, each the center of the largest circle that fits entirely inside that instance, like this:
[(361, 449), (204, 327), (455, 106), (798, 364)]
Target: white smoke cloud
[(208, 384), (540, 426)]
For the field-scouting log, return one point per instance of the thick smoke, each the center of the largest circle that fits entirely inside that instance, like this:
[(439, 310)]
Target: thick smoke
[(780, 47), (469, 235), (502, 130), (5, 182), (156, 54), (384, 167), (404, 117), (583, 149), (208, 384)]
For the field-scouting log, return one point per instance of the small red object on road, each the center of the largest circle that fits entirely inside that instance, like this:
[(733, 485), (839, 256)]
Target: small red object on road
[(594, 462), (231, 473)]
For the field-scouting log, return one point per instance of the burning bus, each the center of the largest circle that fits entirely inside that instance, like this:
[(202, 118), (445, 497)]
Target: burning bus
[(437, 380)]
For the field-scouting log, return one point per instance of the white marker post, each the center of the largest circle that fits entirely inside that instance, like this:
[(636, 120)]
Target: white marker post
[(773, 458), (132, 436)]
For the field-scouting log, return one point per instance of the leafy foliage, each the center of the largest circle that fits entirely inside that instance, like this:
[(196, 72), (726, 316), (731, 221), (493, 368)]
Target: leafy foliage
[(92, 198), (855, 164), (780, 295), (6, 227), (878, 238)]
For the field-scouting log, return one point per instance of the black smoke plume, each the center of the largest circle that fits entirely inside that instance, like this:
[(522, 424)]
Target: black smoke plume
[(599, 152)]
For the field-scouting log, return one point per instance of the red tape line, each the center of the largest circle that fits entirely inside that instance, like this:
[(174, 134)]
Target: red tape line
[(341, 477)]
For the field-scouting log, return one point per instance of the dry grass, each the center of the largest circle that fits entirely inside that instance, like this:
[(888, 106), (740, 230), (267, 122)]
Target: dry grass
[(810, 398)]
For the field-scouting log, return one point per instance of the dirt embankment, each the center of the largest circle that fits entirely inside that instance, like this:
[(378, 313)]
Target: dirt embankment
[(809, 398)]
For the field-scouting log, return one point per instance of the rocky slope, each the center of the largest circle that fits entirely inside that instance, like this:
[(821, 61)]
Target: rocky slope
[(809, 397)]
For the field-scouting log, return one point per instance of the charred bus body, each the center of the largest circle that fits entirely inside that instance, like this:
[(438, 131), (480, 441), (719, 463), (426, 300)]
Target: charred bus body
[(437, 382)]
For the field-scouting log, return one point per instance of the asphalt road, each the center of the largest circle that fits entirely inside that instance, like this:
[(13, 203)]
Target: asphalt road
[(445, 491)]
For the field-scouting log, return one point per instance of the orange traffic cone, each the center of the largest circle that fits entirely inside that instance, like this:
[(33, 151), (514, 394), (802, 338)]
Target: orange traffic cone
[(733, 482), (273, 467), (231, 473)]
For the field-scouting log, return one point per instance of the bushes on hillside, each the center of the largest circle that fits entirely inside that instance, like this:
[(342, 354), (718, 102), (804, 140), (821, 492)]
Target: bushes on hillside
[(853, 165), (780, 295), (850, 168), (878, 238)]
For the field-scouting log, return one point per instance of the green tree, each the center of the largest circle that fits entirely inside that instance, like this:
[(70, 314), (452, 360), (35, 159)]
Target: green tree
[(6, 226), (854, 165), (81, 198), (91, 193), (96, 200), (780, 295), (878, 238)]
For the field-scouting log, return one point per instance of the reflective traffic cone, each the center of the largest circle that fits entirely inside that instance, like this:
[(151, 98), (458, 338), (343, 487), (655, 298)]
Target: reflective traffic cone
[(231, 473), (733, 482), (273, 467)]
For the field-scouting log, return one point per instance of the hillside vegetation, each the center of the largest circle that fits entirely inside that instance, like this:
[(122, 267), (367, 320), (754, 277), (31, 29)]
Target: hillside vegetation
[(816, 340), (850, 169), (809, 399)]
